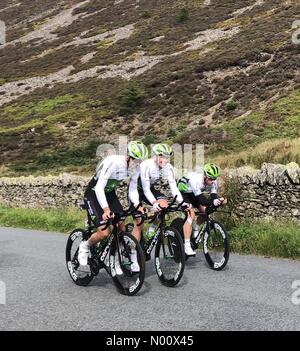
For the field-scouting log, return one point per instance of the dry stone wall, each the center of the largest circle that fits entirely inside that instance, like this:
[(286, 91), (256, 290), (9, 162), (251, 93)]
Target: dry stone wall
[(274, 191)]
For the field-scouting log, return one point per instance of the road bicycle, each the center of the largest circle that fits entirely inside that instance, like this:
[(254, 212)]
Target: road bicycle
[(118, 245), (169, 253), (212, 235)]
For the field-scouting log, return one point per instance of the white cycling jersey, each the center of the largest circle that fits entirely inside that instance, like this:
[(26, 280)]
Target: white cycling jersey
[(194, 183), (111, 171), (150, 174)]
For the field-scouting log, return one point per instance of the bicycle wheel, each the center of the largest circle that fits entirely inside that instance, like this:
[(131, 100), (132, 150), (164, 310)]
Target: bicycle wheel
[(80, 275), (216, 246), (129, 283), (169, 257)]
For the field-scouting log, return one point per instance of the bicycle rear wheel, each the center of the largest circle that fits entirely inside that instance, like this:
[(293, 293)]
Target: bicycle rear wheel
[(216, 246), (129, 283), (80, 275), (169, 257)]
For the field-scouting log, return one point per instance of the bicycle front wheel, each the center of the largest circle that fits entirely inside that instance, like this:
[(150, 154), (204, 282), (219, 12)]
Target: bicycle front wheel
[(216, 246), (126, 254), (169, 257), (80, 275)]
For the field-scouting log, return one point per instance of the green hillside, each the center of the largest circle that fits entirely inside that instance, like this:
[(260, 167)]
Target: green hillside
[(77, 73)]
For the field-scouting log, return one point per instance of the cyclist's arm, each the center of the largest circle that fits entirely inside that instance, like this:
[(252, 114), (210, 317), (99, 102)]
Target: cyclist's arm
[(173, 185), (146, 184), (133, 188), (103, 177), (214, 191), (200, 197)]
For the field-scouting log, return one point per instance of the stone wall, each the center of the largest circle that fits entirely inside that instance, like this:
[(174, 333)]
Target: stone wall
[(272, 191)]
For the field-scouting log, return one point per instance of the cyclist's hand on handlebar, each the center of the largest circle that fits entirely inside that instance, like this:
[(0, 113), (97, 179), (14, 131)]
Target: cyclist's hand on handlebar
[(156, 207), (219, 202), (224, 201), (186, 206), (107, 214), (141, 209)]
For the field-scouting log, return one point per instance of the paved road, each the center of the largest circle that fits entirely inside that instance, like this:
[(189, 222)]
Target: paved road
[(252, 293)]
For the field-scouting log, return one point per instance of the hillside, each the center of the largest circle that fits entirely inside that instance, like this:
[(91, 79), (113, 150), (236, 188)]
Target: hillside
[(75, 73)]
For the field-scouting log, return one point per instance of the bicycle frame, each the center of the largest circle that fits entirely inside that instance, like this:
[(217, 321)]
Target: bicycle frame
[(115, 233), (207, 224), (161, 217)]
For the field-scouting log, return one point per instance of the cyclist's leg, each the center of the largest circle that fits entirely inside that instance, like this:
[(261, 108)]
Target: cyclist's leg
[(201, 219), (116, 207), (137, 230), (187, 228), (96, 213), (188, 225)]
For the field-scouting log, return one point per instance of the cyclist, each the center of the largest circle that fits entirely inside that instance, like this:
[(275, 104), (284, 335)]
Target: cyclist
[(101, 198), (145, 185), (192, 187)]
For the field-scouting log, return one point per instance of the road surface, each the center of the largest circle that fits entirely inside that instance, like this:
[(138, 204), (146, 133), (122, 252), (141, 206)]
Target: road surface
[(252, 293)]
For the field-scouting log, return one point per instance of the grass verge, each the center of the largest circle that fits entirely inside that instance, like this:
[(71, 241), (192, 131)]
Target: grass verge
[(57, 220), (275, 239)]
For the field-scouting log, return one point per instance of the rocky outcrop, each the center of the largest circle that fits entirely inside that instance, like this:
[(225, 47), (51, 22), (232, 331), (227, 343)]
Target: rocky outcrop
[(272, 191)]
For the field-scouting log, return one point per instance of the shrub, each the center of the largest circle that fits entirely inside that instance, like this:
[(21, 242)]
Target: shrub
[(183, 15), (145, 14), (172, 132), (149, 139), (231, 105), (132, 96)]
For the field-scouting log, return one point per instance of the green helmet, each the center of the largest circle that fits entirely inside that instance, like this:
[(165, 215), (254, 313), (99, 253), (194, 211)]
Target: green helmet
[(162, 150), (212, 171), (136, 149)]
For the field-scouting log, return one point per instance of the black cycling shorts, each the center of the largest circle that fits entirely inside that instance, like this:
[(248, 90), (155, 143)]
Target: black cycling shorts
[(95, 210), (190, 198)]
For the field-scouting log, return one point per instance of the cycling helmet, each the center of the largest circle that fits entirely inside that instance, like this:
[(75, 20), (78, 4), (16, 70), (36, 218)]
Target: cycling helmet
[(212, 171), (162, 150), (137, 150)]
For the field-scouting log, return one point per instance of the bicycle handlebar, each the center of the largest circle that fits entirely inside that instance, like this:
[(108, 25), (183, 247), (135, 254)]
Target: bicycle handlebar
[(118, 216), (165, 210)]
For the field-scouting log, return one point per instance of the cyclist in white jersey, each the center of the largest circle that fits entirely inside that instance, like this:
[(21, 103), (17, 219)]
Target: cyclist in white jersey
[(192, 186), (145, 187), (101, 198)]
